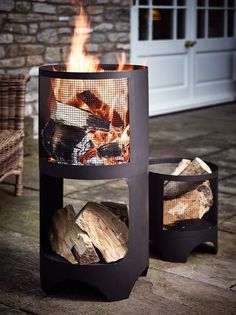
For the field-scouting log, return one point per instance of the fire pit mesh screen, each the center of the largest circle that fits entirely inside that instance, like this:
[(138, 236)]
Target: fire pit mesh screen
[(88, 123)]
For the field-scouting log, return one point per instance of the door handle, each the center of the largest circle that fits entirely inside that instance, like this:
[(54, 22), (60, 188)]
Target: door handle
[(190, 43)]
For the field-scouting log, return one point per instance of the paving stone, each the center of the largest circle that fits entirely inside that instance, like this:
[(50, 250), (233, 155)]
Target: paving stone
[(112, 190), (225, 172), (217, 270), (6, 310), (197, 296), (228, 225), (225, 158), (21, 217), (227, 199), (228, 186), (74, 186)]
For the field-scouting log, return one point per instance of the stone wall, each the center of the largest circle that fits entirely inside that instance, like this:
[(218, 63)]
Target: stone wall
[(37, 32)]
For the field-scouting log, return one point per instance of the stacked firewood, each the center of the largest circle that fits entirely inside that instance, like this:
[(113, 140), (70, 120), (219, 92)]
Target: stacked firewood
[(187, 200), (98, 233), (87, 131)]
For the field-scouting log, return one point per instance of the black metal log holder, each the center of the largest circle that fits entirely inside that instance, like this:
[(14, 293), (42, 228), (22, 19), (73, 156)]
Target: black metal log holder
[(114, 280), (176, 243)]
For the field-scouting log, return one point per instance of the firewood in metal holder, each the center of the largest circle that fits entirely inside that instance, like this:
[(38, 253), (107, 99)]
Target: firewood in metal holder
[(175, 242), (114, 280)]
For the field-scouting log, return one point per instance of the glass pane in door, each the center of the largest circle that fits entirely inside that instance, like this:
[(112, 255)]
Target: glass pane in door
[(181, 2), (143, 2), (200, 23), (200, 3), (162, 2), (231, 3), (180, 24), (162, 24), (143, 24), (230, 22), (216, 23), (216, 3)]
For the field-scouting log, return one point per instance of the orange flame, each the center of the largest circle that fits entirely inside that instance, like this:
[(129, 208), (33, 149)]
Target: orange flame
[(122, 63), (79, 60)]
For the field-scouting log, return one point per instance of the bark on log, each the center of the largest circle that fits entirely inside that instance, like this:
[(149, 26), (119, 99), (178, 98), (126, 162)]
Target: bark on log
[(111, 149), (66, 235), (179, 168), (64, 143), (173, 189), (119, 209), (106, 231), (95, 104), (191, 205), (77, 117)]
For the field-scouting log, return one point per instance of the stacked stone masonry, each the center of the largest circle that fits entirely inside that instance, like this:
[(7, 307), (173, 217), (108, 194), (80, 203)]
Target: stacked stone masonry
[(37, 32)]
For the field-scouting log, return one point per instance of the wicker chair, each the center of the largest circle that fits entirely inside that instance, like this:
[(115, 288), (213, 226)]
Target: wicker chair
[(12, 107)]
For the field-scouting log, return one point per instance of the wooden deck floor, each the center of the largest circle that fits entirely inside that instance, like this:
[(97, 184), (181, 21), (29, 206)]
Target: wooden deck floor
[(206, 284)]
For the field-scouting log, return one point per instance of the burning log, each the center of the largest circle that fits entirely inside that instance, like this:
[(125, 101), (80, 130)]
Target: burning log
[(100, 108), (106, 231), (77, 117), (173, 189), (109, 150), (59, 141), (95, 104), (191, 205), (116, 120), (68, 240)]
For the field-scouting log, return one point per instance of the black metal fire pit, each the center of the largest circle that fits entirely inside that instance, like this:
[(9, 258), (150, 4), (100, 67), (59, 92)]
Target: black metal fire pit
[(94, 126), (181, 223)]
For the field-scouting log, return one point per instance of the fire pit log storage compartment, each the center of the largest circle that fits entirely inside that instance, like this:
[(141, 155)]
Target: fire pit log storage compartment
[(92, 126)]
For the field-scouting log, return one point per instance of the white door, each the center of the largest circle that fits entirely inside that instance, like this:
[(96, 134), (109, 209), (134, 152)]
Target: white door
[(190, 49)]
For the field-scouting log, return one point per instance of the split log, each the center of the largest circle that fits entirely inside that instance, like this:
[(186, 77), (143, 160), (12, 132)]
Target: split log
[(95, 104), (179, 168), (77, 117), (173, 189), (117, 120), (106, 231), (109, 150), (191, 205), (100, 108), (67, 238), (84, 250), (119, 209), (65, 143)]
